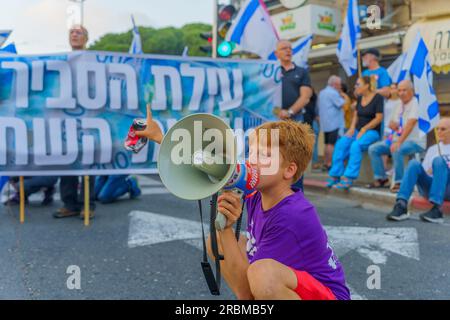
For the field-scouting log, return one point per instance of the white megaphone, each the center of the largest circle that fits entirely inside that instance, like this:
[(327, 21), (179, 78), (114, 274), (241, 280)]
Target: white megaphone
[(198, 158)]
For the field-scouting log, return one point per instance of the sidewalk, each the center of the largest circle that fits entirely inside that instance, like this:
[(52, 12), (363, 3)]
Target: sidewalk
[(316, 181)]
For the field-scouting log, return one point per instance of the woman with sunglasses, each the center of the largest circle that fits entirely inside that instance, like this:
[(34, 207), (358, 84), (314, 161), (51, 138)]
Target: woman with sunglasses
[(364, 131)]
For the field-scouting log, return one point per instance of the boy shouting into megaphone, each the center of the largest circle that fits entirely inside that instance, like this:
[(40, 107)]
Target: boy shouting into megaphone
[(285, 253)]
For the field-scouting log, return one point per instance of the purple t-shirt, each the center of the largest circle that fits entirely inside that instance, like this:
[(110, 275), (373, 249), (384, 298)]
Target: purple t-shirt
[(291, 233)]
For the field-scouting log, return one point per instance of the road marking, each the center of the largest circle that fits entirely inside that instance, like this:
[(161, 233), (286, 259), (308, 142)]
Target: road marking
[(376, 244), (147, 228)]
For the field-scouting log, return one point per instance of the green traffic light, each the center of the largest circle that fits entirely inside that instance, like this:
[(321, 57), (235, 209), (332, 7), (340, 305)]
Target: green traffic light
[(225, 49)]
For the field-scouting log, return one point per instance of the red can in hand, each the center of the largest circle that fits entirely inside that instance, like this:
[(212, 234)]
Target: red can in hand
[(133, 142)]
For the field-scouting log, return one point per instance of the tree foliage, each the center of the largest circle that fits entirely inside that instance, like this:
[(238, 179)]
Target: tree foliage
[(167, 40)]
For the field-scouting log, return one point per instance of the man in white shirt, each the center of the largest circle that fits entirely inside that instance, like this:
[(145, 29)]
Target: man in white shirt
[(404, 140), (432, 178)]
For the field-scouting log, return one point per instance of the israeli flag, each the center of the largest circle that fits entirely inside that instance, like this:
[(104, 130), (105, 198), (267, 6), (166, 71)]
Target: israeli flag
[(4, 34), (347, 51), (136, 45), (417, 63), (9, 49), (300, 51), (253, 30), (396, 69)]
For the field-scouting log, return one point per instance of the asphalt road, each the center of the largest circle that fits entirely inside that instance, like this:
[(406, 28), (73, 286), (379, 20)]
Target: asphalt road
[(148, 249)]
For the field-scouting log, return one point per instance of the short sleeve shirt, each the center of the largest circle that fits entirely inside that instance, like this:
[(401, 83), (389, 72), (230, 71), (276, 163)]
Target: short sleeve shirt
[(291, 82)]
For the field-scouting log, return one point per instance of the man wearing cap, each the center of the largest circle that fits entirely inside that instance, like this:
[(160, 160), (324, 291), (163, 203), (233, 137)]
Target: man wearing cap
[(370, 60)]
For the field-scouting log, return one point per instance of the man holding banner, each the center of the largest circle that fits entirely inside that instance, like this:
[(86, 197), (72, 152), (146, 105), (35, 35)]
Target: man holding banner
[(72, 200)]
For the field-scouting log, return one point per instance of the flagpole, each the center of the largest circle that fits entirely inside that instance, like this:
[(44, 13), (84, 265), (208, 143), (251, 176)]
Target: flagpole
[(359, 61), (437, 141), (214, 30)]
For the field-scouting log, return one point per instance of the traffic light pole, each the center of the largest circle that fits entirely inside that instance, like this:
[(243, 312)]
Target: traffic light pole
[(214, 31)]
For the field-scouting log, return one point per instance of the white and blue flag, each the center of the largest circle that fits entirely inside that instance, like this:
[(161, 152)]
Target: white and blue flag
[(300, 51), (4, 34), (136, 45), (185, 52), (10, 49), (417, 63), (396, 70), (347, 51), (253, 30)]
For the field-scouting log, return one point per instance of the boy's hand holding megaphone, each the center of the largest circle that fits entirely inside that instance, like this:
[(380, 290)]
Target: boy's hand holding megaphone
[(229, 204), (152, 131)]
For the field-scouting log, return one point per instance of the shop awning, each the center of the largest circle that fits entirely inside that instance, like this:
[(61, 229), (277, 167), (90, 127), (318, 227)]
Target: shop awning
[(385, 40), (436, 34)]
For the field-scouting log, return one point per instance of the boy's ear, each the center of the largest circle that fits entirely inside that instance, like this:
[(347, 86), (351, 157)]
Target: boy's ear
[(290, 171)]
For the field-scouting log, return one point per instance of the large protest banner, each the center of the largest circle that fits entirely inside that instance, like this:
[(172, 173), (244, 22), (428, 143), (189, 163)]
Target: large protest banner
[(69, 114)]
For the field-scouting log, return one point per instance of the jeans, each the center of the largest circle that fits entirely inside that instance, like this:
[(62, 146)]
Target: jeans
[(378, 149), (353, 150), (69, 193), (35, 184), (110, 188), (316, 129), (436, 188)]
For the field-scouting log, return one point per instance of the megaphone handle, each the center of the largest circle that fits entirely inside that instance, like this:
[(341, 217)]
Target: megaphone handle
[(221, 220)]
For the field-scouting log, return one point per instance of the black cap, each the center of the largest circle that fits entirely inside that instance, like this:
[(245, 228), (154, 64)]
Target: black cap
[(373, 51)]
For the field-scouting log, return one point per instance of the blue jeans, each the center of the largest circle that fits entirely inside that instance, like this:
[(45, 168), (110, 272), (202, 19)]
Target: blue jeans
[(316, 129), (436, 188), (353, 150), (35, 184), (110, 188), (378, 149)]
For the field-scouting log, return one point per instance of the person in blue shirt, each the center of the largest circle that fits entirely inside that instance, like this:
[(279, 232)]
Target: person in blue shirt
[(370, 60), (331, 116)]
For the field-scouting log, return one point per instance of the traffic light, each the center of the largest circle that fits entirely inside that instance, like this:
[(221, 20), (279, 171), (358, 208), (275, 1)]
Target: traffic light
[(225, 16), (208, 37)]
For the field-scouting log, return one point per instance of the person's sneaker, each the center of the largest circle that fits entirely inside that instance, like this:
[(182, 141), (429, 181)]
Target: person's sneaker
[(65, 213), (433, 215), (91, 214), (344, 184), (399, 213), (48, 196), (332, 181), (135, 191)]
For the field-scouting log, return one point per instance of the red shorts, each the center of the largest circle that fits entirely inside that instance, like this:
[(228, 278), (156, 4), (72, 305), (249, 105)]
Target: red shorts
[(308, 288)]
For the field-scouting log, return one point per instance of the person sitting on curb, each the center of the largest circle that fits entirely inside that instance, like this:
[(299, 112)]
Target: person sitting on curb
[(364, 131), (432, 178), (405, 138)]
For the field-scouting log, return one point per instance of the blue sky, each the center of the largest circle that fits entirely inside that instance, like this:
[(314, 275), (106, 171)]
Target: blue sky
[(40, 26)]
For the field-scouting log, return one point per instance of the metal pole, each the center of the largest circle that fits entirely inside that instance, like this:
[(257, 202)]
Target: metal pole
[(214, 31), (22, 200), (86, 201), (82, 12)]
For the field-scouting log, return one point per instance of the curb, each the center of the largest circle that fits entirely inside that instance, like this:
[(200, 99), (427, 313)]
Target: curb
[(374, 196)]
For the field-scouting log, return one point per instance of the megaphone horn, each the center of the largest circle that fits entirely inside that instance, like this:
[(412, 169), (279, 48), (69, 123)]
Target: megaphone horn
[(208, 170)]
